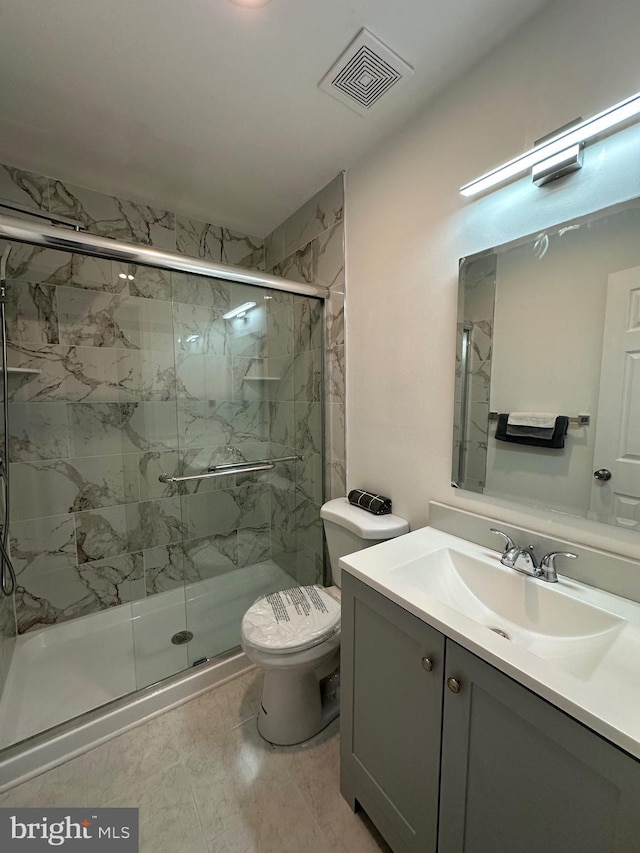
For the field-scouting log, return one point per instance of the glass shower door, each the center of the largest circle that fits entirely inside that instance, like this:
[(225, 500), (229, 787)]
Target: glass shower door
[(92, 423), (120, 374), (249, 378)]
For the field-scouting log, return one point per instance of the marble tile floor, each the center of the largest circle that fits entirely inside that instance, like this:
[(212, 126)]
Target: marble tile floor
[(63, 670), (206, 782)]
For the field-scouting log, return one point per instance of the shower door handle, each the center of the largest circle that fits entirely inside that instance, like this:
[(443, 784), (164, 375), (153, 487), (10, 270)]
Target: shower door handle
[(165, 478), (225, 469)]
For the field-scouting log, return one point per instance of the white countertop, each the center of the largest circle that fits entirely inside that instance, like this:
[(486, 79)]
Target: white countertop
[(605, 697)]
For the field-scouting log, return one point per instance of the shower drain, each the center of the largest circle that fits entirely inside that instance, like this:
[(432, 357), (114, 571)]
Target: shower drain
[(181, 637), (500, 632)]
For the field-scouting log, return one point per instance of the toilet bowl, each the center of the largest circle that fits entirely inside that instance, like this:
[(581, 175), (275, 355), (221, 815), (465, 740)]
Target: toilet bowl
[(294, 635)]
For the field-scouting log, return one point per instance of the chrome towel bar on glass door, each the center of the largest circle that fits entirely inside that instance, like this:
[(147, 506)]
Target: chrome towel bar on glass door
[(225, 469)]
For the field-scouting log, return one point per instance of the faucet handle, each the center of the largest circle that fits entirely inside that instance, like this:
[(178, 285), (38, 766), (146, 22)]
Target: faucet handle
[(548, 564), (509, 544)]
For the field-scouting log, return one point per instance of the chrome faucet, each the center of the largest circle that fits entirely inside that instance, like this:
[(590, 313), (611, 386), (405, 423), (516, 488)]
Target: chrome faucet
[(524, 559), (548, 565), (521, 559)]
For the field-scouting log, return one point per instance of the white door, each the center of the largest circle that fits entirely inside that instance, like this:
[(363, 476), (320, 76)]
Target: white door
[(617, 444)]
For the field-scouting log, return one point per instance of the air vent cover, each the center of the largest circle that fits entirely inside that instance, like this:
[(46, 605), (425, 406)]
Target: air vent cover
[(366, 71)]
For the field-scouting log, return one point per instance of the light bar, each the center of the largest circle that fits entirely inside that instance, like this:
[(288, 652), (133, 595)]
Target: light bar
[(240, 311), (560, 164), (586, 129)]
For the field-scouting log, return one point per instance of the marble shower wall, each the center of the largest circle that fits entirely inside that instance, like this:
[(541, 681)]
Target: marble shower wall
[(7, 636), (7, 617), (101, 413), (296, 428), (309, 247), (109, 216)]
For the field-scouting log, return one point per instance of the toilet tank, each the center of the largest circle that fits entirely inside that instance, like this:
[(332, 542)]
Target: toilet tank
[(349, 528)]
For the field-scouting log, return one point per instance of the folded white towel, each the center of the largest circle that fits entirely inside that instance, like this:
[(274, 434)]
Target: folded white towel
[(541, 420)]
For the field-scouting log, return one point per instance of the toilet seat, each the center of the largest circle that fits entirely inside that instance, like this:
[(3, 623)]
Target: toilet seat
[(291, 620)]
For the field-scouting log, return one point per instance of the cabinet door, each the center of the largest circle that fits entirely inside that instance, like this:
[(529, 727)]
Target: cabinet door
[(520, 776), (391, 715)]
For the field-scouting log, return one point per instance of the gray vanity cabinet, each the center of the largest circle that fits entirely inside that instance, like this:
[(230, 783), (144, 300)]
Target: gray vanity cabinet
[(520, 776), (391, 716), (449, 755)]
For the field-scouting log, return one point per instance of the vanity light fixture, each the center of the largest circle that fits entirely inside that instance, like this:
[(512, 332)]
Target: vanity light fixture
[(250, 3), (240, 311), (562, 146), (569, 160)]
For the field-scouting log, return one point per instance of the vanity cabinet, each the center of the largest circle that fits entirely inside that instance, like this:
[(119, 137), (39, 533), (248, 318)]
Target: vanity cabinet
[(391, 687), (520, 776), (460, 758)]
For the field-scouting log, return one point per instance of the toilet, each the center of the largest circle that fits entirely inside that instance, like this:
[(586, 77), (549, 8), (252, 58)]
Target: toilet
[(294, 635)]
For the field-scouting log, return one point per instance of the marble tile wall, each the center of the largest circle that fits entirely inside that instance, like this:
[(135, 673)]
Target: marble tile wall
[(309, 247), (138, 374), (7, 636), (109, 216), (92, 430), (7, 619)]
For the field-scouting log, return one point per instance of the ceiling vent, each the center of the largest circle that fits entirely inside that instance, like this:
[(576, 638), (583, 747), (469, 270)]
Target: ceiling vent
[(365, 72)]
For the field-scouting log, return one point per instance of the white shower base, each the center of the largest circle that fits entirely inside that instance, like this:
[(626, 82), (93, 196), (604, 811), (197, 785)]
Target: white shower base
[(64, 670)]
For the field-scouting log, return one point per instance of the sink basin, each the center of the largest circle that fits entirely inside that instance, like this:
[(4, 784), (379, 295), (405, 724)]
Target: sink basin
[(483, 588), (530, 612)]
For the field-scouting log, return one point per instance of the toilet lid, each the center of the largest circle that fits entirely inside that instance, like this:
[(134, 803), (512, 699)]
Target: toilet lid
[(291, 620)]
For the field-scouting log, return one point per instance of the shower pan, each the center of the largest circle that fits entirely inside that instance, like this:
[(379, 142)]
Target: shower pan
[(165, 439)]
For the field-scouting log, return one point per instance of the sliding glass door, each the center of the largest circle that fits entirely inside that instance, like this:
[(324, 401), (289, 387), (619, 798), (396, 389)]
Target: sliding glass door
[(121, 379)]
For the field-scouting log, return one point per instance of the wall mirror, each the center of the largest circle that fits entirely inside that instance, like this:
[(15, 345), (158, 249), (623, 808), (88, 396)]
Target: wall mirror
[(549, 325)]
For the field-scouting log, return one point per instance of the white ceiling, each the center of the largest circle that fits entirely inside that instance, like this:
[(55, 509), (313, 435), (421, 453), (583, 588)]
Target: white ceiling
[(211, 109)]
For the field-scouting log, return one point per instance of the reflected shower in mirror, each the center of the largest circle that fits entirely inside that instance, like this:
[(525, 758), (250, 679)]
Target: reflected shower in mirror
[(549, 325)]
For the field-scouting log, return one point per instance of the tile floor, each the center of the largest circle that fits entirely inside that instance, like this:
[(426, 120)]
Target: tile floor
[(206, 782)]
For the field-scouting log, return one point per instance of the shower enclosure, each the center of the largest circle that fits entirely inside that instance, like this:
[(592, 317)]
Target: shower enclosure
[(131, 374)]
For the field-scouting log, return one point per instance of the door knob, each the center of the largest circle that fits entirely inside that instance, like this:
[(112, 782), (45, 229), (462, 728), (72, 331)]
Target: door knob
[(427, 664), (454, 685), (602, 474)]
